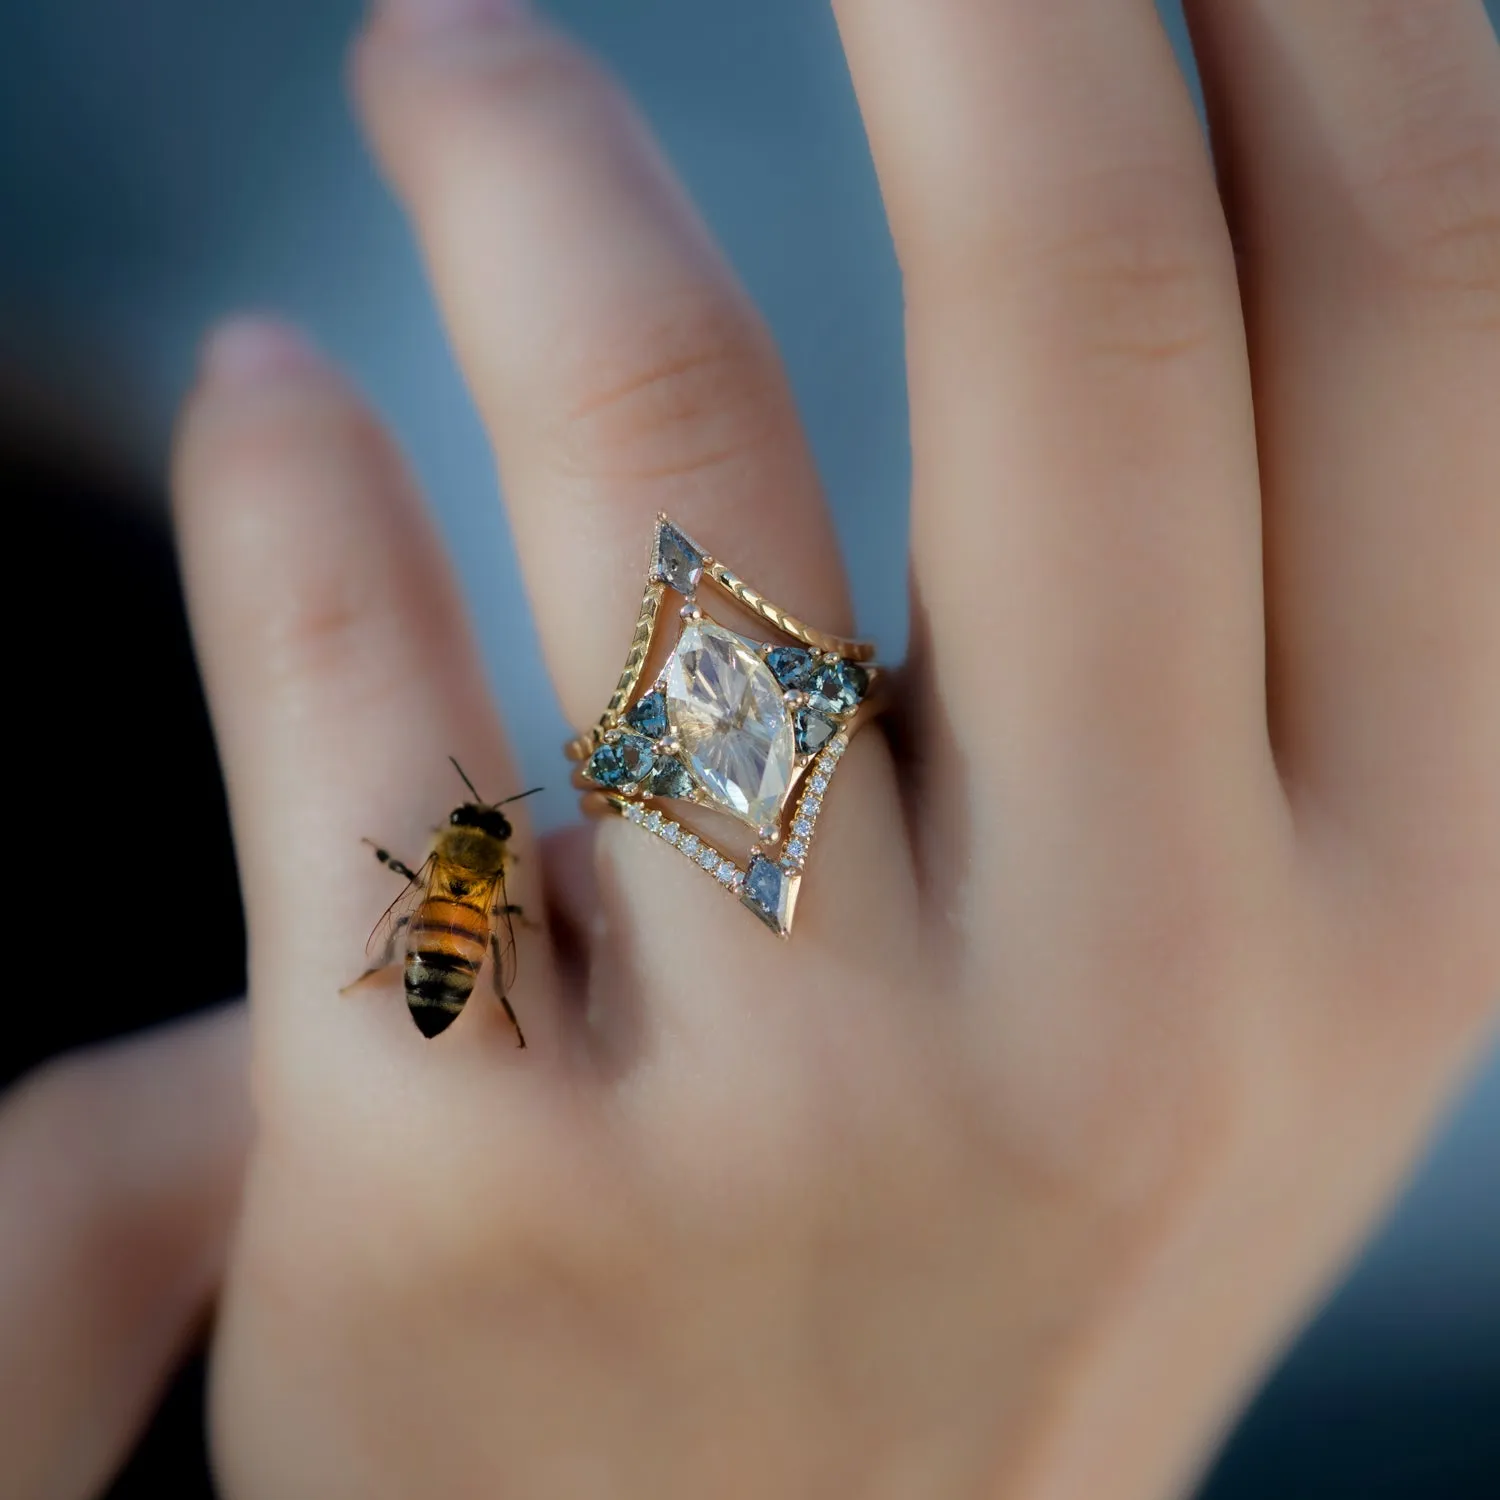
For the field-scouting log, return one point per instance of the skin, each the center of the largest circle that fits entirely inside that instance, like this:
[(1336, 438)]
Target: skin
[(1008, 1175)]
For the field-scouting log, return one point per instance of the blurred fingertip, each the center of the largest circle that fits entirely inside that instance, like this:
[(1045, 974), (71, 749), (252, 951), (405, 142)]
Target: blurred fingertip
[(434, 17), (252, 349)]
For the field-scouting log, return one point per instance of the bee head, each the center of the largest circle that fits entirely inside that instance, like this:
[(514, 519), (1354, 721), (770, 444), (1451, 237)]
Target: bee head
[(488, 820)]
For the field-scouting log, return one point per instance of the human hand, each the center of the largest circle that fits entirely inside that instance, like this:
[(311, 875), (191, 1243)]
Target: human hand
[(1130, 972)]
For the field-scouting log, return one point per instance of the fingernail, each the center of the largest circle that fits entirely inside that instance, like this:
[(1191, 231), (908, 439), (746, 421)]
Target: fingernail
[(432, 16), (252, 351)]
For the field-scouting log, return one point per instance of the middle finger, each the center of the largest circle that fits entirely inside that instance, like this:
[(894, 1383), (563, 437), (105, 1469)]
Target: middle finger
[(1086, 523)]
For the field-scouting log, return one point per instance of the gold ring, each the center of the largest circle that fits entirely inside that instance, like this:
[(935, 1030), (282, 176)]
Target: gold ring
[(749, 730)]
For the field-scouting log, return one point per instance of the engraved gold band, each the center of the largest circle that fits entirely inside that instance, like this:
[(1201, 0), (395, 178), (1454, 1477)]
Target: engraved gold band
[(748, 730)]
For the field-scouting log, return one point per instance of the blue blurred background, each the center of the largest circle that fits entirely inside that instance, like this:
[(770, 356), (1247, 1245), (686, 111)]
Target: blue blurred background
[(166, 161)]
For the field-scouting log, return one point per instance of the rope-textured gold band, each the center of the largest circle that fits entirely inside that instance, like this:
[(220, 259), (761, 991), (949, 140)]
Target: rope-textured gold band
[(582, 746), (757, 603)]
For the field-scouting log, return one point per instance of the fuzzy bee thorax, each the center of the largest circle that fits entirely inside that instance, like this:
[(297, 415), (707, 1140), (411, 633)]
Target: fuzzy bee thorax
[(471, 849)]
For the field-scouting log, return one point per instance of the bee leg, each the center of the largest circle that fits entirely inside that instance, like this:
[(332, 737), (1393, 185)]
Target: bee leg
[(522, 920), (369, 974), (387, 858), (499, 992), (387, 960)]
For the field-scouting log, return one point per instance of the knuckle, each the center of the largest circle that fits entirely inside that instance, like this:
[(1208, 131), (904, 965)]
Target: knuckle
[(1132, 261), (1126, 261), (689, 388), (1429, 172), (1443, 223)]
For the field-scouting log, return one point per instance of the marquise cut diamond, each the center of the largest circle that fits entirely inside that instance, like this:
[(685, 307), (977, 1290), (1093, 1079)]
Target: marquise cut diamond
[(726, 708)]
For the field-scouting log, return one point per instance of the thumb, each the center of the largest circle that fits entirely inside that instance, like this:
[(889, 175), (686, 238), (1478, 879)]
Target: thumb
[(119, 1177)]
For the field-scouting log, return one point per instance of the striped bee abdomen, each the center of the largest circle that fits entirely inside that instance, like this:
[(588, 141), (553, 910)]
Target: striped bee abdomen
[(445, 947)]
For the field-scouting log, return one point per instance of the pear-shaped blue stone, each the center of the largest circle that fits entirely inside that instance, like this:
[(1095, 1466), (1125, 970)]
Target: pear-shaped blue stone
[(624, 763), (856, 680), (649, 715), (671, 779), (791, 666), (813, 730), (836, 687)]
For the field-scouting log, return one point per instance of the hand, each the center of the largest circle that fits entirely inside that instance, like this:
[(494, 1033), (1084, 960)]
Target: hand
[(1131, 969)]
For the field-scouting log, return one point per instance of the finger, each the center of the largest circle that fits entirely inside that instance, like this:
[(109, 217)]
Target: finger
[(1362, 147), (342, 676), (1085, 517), (619, 368), (120, 1170)]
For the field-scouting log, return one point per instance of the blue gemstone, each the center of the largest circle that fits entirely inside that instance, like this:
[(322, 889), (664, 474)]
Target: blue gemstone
[(856, 681), (791, 665), (649, 716), (623, 763), (764, 882), (678, 562), (813, 730), (671, 779), (838, 686)]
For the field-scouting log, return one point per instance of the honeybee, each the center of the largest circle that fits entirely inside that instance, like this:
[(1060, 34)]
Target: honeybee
[(451, 912)]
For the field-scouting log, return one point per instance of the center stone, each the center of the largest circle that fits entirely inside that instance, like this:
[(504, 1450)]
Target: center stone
[(727, 711)]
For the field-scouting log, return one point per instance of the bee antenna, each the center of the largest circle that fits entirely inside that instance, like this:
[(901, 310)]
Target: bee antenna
[(530, 793), (466, 780)]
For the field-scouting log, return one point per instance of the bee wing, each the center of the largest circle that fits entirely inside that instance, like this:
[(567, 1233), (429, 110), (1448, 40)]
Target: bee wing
[(399, 912), (502, 941)]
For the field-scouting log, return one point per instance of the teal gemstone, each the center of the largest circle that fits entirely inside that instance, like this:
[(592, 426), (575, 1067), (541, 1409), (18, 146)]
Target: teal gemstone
[(838, 686), (791, 666), (813, 730), (671, 779), (622, 764), (649, 716), (856, 680)]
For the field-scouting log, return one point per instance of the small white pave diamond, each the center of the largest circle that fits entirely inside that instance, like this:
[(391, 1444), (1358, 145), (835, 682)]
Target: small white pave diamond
[(705, 856), (804, 824)]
